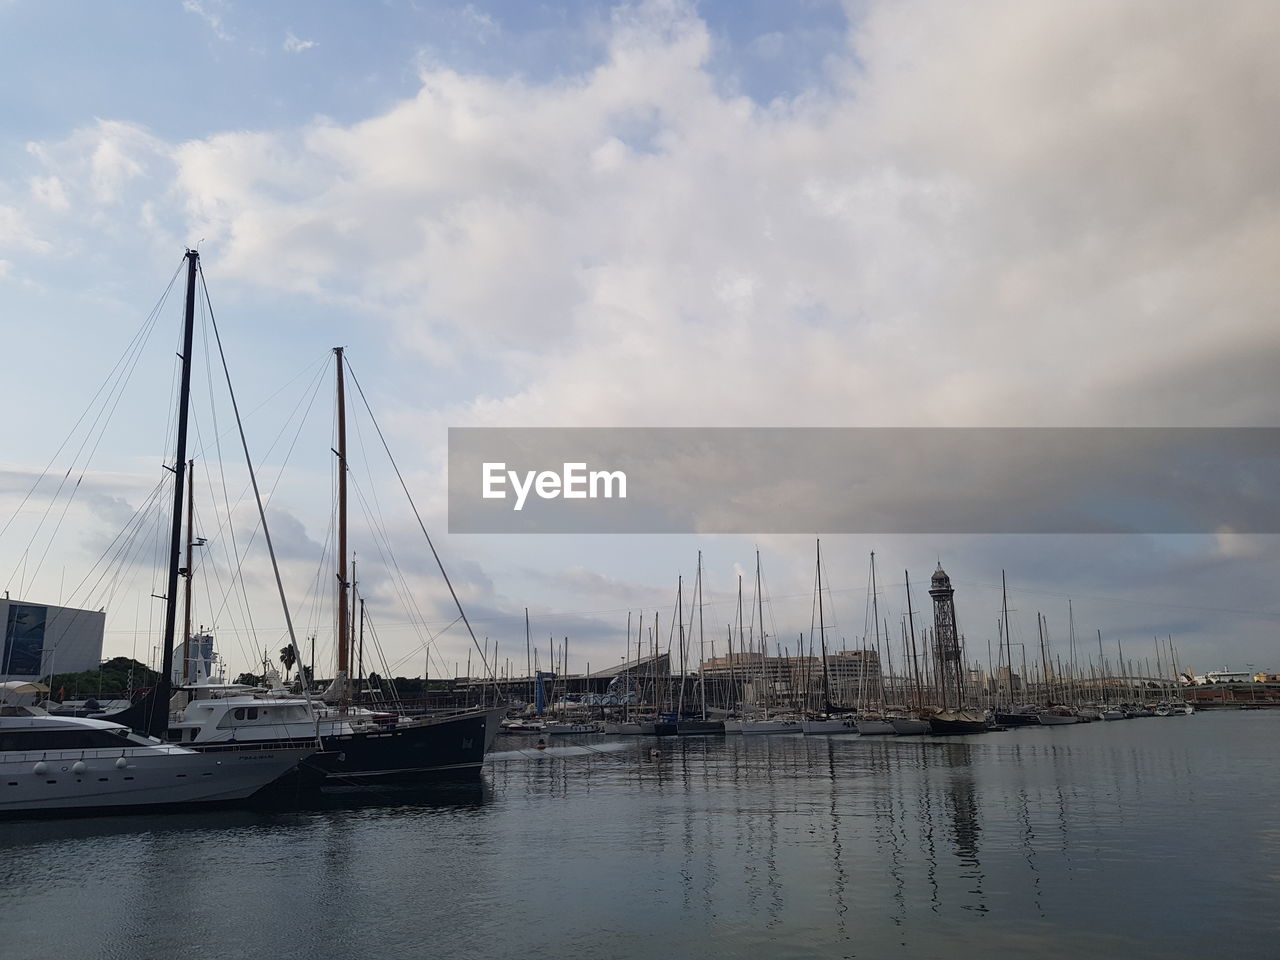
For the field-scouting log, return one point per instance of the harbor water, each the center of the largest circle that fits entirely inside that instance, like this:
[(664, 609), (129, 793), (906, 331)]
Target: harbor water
[(1141, 838)]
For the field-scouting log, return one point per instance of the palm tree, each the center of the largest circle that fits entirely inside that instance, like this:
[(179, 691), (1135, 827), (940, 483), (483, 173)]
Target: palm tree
[(287, 660)]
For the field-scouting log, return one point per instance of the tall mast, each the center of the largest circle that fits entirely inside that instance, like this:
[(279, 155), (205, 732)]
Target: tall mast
[(680, 619), (915, 663), (1005, 638), (190, 569), (875, 618), (702, 642), (766, 681), (822, 637), (357, 652), (733, 681), (158, 722), (344, 641), (1044, 663)]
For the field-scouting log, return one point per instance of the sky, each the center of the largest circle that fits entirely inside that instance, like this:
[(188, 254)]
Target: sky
[(662, 213)]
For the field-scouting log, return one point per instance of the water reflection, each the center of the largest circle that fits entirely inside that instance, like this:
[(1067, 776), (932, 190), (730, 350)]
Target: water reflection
[(735, 847)]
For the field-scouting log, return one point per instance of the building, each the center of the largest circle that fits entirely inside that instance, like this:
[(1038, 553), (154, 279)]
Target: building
[(200, 658), (852, 676), (40, 639)]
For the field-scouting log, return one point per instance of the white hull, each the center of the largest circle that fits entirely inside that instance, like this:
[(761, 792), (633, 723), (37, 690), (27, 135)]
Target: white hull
[(570, 729), (875, 728), (1057, 719), (827, 727), (754, 727), (1112, 714), (624, 729), (110, 779)]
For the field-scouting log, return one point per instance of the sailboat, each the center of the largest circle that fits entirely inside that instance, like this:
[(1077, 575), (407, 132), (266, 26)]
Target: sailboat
[(914, 723), (760, 721), (359, 746), (87, 763), (1052, 715), (873, 724), (700, 725), (1006, 714), (825, 723)]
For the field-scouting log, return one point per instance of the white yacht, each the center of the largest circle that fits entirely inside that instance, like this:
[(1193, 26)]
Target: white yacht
[(53, 765), (361, 746)]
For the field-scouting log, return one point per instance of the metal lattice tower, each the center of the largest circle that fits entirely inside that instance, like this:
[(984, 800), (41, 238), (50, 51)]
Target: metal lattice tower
[(946, 638)]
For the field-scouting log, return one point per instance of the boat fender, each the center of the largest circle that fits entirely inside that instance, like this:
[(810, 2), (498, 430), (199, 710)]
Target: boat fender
[(40, 769), (121, 763), (78, 767)]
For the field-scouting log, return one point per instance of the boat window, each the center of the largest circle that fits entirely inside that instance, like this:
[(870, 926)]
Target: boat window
[(71, 739), (239, 714), (253, 713)]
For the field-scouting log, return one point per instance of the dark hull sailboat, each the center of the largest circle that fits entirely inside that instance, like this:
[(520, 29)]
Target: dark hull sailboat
[(1017, 719), (447, 748), (358, 747), (954, 722)]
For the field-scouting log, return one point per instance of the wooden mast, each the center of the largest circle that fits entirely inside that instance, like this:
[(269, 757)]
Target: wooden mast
[(344, 640), (158, 721)]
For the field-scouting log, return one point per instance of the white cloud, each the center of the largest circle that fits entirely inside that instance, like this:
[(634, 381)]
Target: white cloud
[(293, 45), (208, 11), (995, 213)]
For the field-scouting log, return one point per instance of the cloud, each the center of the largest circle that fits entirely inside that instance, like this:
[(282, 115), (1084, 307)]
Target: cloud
[(207, 10), (988, 214), (293, 45)]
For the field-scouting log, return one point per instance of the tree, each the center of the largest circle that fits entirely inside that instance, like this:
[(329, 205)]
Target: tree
[(114, 678), (249, 679), (287, 659)]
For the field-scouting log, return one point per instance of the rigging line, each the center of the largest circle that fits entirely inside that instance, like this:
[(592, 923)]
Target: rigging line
[(275, 568), (402, 583), (114, 548), (364, 455), (275, 484), (314, 365), (312, 601), (428, 644), (217, 563), (236, 583), (108, 566), (121, 564), (143, 332), (414, 506), (108, 409), (1128, 600), (242, 600), (387, 670)]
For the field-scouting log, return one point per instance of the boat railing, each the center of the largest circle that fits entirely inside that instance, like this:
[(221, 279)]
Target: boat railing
[(70, 755)]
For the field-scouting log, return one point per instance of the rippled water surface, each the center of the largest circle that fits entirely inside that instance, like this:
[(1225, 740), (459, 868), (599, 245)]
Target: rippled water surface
[(1142, 838)]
